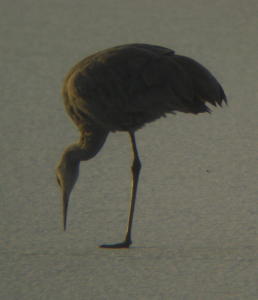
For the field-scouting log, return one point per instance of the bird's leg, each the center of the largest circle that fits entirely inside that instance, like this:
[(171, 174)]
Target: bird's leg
[(136, 167)]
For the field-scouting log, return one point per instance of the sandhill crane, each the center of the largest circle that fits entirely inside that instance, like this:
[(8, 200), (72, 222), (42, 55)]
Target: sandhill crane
[(122, 89)]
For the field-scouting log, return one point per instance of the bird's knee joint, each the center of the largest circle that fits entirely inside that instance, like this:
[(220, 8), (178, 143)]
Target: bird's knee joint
[(136, 167)]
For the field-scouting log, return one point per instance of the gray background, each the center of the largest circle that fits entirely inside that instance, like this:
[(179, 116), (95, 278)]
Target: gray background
[(195, 230)]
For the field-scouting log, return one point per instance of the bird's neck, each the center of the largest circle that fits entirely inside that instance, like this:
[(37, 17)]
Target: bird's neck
[(88, 146)]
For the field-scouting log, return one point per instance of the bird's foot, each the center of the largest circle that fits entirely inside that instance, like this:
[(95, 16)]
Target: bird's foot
[(125, 244)]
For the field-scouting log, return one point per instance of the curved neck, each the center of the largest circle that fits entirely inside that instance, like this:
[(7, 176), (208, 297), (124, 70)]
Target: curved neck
[(89, 145)]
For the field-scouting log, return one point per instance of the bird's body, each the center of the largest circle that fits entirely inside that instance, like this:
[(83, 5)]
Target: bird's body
[(122, 89)]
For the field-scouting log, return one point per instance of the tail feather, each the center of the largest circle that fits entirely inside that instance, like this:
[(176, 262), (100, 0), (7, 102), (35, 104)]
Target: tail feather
[(206, 86)]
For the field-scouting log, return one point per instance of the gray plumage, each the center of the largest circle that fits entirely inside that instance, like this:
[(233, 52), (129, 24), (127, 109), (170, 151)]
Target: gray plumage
[(122, 89)]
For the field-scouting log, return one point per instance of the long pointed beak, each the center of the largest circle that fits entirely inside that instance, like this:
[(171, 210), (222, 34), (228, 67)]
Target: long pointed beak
[(65, 208)]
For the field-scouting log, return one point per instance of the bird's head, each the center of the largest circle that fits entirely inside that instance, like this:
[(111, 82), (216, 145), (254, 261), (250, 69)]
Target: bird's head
[(67, 173)]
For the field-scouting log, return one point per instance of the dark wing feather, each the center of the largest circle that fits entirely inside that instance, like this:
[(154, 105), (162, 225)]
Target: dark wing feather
[(170, 79), (206, 87)]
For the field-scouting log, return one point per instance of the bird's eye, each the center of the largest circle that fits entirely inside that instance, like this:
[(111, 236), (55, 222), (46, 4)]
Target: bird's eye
[(58, 181)]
